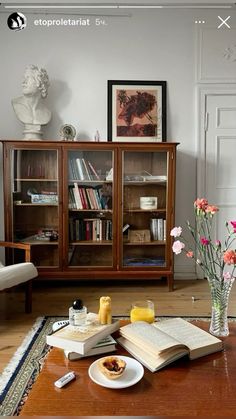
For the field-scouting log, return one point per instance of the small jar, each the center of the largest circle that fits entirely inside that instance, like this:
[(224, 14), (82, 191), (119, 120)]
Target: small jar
[(77, 313)]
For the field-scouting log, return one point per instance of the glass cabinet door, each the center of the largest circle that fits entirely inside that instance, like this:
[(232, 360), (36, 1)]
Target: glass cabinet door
[(144, 211), (90, 208), (35, 207)]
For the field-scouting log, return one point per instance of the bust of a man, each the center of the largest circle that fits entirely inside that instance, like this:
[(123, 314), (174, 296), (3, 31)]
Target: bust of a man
[(29, 108)]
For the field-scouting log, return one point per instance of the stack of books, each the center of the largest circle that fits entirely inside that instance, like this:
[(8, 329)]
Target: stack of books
[(90, 339)]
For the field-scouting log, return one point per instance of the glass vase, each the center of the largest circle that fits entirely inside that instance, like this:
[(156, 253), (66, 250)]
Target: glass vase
[(219, 312)]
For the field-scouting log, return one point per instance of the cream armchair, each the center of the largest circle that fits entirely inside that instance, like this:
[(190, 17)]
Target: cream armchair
[(13, 275)]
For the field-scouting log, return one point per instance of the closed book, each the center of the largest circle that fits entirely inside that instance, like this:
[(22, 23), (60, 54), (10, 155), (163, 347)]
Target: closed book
[(108, 344), (160, 343), (82, 338)]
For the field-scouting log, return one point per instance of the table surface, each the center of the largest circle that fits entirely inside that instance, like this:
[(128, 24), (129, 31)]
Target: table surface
[(205, 386)]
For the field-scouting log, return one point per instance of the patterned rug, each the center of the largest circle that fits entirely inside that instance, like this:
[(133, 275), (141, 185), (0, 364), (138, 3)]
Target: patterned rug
[(20, 374)]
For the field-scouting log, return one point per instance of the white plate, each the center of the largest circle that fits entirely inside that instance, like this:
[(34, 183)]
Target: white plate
[(133, 373)]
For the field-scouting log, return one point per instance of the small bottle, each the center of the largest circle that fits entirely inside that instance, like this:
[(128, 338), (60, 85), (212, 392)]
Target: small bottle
[(77, 313), (97, 136)]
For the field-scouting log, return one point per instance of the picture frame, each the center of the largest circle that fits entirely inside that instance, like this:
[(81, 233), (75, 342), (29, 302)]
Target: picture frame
[(136, 110)]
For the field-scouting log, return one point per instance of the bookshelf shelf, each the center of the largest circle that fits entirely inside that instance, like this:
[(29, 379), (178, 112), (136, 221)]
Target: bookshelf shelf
[(97, 189), (35, 180)]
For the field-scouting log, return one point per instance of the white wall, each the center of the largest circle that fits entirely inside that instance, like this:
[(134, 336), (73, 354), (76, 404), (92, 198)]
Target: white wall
[(150, 45)]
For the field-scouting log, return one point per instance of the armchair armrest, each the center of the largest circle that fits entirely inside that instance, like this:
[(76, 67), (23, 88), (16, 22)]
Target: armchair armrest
[(24, 246)]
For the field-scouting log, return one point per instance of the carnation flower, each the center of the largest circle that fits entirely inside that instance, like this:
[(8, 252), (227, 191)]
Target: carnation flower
[(227, 276), (189, 254), (230, 257), (177, 247), (201, 204), (233, 223), (204, 241), (176, 231), (212, 209)]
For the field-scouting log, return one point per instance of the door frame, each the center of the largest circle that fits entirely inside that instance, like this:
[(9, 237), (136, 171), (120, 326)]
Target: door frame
[(202, 92), (201, 124)]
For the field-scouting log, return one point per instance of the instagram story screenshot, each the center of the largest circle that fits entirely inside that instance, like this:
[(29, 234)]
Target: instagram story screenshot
[(102, 102)]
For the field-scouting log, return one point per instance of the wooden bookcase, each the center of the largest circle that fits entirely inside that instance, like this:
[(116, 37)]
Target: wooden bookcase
[(72, 201)]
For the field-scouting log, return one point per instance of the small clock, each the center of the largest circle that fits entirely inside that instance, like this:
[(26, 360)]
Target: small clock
[(67, 132)]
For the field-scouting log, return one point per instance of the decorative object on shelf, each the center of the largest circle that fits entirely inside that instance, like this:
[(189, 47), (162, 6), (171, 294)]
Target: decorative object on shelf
[(97, 136), (29, 108), (136, 110), (148, 202), (139, 236), (217, 260), (67, 132), (109, 175)]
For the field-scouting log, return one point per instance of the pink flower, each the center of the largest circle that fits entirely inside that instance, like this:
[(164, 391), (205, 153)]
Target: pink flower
[(233, 223), (189, 254), (230, 257), (227, 276), (204, 241), (176, 231), (177, 247), (201, 204), (218, 243), (212, 209)]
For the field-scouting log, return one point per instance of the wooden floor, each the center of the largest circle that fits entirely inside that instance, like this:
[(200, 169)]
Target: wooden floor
[(189, 298)]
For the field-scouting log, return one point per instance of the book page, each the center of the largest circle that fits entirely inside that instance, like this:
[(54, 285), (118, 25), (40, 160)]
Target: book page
[(153, 363), (190, 335), (148, 337)]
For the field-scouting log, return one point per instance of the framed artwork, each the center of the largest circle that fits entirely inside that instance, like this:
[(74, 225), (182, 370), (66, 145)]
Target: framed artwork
[(136, 111)]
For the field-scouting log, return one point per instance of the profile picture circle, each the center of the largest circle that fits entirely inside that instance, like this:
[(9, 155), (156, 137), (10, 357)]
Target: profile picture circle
[(16, 21)]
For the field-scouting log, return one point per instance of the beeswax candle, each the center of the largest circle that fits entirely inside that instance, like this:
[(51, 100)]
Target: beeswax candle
[(104, 314)]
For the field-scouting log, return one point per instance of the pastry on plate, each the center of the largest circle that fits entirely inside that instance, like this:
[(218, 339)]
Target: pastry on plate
[(112, 367)]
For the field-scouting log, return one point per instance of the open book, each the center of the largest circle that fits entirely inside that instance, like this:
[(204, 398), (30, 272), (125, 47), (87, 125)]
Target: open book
[(82, 338), (158, 344)]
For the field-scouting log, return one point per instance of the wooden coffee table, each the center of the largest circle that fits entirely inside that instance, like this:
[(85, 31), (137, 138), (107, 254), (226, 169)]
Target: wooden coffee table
[(206, 386)]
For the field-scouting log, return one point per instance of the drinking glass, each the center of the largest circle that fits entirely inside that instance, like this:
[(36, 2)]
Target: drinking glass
[(142, 310)]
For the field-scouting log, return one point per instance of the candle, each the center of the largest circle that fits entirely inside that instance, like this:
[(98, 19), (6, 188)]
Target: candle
[(104, 314)]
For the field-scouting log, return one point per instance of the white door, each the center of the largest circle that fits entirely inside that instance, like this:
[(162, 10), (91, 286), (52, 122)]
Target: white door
[(220, 157)]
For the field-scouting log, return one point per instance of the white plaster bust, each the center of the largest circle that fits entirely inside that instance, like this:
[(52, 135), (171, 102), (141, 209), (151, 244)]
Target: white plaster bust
[(29, 108)]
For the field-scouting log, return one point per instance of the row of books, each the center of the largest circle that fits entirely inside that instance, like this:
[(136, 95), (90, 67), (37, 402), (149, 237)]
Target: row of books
[(82, 169), (86, 198), (158, 228), (95, 229)]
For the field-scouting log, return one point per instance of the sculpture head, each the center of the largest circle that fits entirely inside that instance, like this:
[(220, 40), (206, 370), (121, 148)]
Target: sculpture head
[(35, 80)]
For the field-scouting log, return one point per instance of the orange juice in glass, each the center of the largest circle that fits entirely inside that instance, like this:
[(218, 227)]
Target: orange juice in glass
[(142, 310)]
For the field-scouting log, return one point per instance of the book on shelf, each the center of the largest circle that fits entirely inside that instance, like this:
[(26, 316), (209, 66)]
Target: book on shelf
[(126, 227), (107, 344), (160, 343), (82, 338)]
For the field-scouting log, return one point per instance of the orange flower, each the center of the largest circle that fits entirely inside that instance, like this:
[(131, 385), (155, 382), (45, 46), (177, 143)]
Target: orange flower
[(201, 204), (230, 257), (212, 209), (189, 254)]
